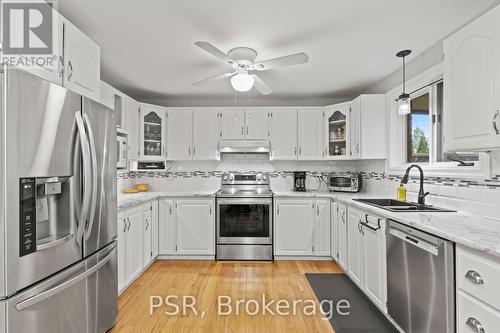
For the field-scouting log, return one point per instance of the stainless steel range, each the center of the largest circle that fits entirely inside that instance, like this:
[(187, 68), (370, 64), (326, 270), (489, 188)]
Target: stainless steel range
[(244, 217)]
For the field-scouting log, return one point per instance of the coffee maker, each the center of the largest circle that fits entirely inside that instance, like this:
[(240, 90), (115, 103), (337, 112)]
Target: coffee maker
[(299, 181)]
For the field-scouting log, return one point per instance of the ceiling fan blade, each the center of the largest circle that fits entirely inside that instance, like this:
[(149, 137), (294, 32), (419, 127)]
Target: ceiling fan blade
[(215, 52), (293, 59), (213, 78), (261, 86)]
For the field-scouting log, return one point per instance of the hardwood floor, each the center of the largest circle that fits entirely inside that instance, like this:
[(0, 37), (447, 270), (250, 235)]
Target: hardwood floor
[(206, 281)]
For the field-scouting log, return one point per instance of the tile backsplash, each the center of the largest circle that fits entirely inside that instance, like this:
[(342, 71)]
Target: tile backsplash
[(476, 196)]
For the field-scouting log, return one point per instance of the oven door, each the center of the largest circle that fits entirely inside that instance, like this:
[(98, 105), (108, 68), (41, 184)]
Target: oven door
[(244, 220)]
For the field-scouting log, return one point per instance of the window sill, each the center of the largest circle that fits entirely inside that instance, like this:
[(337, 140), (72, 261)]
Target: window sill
[(482, 171)]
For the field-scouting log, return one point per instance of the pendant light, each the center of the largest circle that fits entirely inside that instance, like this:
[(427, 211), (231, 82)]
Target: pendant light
[(404, 98)]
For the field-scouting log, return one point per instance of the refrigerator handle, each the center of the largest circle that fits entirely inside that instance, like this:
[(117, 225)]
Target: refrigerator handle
[(93, 156), (82, 216), (30, 301)]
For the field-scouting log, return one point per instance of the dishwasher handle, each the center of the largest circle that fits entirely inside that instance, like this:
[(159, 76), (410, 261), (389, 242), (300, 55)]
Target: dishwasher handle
[(415, 241)]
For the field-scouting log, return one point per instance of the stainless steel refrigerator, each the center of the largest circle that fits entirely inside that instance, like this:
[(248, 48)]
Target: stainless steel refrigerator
[(57, 209)]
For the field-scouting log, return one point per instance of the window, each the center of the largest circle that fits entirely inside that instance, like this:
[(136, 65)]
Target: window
[(424, 138)]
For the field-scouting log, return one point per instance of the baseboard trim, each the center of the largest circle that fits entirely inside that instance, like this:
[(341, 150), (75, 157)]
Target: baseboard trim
[(185, 257), (312, 258)]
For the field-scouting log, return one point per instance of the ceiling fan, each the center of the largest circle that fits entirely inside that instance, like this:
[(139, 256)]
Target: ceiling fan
[(242, 60)]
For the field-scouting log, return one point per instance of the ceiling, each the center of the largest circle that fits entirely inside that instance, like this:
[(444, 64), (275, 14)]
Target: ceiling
[(148, 51)]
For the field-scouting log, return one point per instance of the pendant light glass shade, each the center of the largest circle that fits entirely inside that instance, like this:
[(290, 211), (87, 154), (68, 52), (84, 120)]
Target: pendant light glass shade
[(242, 82), (404, 105)]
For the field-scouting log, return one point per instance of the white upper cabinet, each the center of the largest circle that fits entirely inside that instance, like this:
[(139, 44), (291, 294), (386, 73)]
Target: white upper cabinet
[(205, 135), (257, 124), (310, 134), (82, 63), (336, 131), (472, 86), (368, 127), (52, 71), (152, 132), (232, 123), (284, 134), (131, 126), (180, 134)]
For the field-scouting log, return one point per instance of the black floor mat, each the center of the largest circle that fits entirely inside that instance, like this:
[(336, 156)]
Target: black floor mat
[(364, 316)]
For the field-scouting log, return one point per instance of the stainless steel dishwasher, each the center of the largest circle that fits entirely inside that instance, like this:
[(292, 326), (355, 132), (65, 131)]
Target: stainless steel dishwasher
[(420, 280)]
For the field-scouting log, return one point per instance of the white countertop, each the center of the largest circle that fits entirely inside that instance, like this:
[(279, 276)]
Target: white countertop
[(478, 232), (132, 199)]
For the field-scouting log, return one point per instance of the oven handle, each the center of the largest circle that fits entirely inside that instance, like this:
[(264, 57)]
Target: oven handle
[(249, 201)]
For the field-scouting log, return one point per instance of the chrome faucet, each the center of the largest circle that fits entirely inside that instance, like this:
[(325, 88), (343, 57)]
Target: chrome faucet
[(421, 194)]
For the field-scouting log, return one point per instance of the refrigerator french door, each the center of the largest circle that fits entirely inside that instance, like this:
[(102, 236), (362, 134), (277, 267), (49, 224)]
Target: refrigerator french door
[(57, 203)]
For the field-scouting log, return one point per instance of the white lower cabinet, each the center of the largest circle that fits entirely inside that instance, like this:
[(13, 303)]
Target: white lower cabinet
[(136, 241), (342, 238), (366, 252), (334, 230), (475, 316), (302, 227), (187, 226), (147, 237), (355, 244)]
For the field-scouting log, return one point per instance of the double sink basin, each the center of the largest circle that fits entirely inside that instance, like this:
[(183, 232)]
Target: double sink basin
[(402, 206)]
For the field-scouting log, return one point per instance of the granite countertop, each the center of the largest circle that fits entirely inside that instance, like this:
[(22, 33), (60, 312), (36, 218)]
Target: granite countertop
[(474, 231), (477, 232), (133, 199)]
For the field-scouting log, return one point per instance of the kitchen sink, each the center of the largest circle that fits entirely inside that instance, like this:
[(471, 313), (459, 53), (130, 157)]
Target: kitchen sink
[(402, 206)]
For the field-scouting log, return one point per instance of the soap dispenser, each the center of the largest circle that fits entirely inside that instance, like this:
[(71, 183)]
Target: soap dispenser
[(401, 192)]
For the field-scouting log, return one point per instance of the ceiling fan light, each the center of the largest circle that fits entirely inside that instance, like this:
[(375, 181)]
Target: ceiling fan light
[(242, 82), (404, 105)]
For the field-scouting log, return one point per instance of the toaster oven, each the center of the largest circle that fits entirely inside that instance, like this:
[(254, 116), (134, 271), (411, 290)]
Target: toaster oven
[(345, 182)]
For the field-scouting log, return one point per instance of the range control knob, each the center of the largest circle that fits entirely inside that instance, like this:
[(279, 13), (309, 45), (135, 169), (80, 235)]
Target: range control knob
[(231, 177), (264, 177), (259, 176), (224, 178)]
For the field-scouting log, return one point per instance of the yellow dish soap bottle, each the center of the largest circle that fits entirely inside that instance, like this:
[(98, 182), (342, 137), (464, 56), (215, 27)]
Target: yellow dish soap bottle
[(401, 193)]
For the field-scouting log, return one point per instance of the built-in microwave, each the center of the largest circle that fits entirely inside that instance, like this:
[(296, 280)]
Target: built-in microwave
[(121, 161), (345, 182)]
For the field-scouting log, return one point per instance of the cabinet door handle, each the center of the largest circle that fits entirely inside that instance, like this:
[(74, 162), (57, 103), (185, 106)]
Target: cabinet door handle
[(147, 224), (60, 66), (357, 147), (295, 150), (343, 216), (300, 150), (170, 207), (495, 125), (247, 129), (210, 209), (317, 210), (242, 130), (125, 225), (128, 219), (474, 277), (70, 70), (194, 150), (278, 212), (475, 325), (189, 151)]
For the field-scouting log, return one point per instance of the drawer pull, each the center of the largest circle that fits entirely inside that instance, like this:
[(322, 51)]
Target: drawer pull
[(475, 325), (474, 277)]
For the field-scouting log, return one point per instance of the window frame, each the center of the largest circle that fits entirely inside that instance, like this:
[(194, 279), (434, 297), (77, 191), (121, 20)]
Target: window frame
[(397, 157)]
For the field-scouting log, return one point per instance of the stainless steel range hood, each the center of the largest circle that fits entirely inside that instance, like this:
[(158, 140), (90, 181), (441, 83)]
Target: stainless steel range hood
[(244, 146)]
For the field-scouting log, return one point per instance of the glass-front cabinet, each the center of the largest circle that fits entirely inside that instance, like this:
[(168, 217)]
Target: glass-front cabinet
[(153, 121), (337, 131)]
